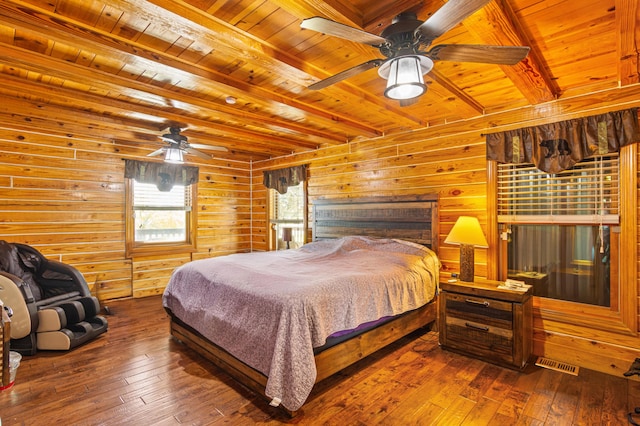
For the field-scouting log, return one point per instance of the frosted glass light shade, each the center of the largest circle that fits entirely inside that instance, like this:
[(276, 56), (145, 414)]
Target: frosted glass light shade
[(173, 155), (404, 76)]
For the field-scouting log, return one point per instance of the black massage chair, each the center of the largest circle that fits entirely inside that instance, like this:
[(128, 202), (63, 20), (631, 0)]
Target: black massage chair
[(51, 305)]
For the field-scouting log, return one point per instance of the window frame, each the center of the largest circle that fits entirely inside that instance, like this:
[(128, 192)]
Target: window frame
[(621, 316), (134, 248), (272, 224)]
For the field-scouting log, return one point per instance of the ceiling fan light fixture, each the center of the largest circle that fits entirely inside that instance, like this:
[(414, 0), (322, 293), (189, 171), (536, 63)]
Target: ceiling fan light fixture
[(173, 155), (404, 76)]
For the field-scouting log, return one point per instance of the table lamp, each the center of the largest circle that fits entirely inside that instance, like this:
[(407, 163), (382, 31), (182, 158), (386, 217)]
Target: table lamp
[(287, 235), (468, 234)]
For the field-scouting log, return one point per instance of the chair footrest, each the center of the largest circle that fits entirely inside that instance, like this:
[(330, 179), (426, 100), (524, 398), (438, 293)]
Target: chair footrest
[(62, 315), (72, 336)]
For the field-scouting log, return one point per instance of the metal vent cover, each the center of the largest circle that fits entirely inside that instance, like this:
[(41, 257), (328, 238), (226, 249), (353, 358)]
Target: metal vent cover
[(552, 364)]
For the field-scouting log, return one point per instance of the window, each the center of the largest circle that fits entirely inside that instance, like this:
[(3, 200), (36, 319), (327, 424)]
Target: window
[(560, 231), (160, 218), (288, 211)]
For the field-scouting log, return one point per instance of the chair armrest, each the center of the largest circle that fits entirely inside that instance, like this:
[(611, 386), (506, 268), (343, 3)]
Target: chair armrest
[(57, 276), (24, 288), (14, 293)]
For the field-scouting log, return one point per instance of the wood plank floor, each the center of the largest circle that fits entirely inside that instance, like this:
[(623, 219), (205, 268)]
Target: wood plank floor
[(136, 374)]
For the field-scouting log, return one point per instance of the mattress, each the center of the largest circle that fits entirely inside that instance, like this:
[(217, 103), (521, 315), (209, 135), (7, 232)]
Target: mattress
[(271, 309)]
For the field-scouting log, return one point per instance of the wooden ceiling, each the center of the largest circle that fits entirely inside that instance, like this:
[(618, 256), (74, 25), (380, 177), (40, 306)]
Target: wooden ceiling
[(127, 69)]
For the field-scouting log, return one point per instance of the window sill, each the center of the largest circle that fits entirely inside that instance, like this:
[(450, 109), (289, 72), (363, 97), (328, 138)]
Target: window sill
[(582, 315), (158, 249)]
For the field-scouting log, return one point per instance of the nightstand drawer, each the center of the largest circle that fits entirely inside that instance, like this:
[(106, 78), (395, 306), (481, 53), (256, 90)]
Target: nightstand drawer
[(479, 309), (480, 338)]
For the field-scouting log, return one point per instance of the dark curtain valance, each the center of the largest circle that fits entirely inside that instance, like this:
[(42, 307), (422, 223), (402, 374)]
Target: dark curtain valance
[(163, 175), (559, 146), (282, 179)]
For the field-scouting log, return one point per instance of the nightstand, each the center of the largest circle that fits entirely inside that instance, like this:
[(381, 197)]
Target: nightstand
[(480, 320)]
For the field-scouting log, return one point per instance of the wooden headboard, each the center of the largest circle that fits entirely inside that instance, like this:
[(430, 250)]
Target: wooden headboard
[(412, 218)]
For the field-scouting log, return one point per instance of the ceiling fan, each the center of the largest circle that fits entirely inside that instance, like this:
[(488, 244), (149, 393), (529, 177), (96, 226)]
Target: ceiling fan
[(178, 146), (404, 45)]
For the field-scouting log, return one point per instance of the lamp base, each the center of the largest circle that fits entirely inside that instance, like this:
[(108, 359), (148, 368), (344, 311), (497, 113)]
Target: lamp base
[(466, 262)]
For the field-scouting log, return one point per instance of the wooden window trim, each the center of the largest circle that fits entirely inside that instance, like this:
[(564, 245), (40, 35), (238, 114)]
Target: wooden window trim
[(133, 249), (621, 317), (271, 235)]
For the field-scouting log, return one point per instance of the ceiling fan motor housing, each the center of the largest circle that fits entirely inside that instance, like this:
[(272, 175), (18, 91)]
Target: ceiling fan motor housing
[(400, 36), (174, 136)]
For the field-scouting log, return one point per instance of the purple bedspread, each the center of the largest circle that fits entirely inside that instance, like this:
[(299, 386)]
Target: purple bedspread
[(270, 309)]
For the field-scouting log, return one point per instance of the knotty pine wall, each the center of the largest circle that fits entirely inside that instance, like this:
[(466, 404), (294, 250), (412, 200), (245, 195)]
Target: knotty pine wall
[(449, 159), (64, 194)]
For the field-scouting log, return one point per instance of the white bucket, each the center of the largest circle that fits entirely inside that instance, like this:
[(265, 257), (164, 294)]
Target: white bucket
[(14, 363)]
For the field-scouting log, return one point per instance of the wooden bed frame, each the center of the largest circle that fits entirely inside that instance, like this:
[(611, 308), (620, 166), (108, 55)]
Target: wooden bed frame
[(413, 218)]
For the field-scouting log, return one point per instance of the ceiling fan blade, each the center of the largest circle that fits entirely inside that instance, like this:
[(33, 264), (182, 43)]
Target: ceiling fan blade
[(447, 17), (346, 74), (208, 147), (503, 55), (327, 26), (157, 152), (197, 153)]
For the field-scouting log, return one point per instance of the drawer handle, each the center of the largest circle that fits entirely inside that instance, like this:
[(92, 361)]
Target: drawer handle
[(476, 327), (477, 302)]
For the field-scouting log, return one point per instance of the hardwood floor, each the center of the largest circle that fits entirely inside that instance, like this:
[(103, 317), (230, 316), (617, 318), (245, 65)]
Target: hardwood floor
[(137, 374)]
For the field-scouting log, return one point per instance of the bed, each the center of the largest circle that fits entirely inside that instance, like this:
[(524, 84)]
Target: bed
[(310, 310)]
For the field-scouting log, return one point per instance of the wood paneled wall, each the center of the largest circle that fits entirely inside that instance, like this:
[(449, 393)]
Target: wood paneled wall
[(64, 195), (450, 160), (63, 192), (454, 167)]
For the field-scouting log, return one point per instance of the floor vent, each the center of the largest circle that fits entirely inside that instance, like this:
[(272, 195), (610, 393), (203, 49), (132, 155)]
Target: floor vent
[(557, 366)]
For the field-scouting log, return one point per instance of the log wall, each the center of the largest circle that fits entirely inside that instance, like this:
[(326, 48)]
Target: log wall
[(64, 194)]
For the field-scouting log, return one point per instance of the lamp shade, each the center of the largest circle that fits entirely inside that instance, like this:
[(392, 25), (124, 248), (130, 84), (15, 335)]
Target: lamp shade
[(468, 234), (173, 155), (286, 234), (467, 231), (404, 76)]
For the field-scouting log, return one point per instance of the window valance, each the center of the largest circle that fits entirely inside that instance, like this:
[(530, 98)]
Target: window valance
[(282, 179), (163, 175), (555, 147)]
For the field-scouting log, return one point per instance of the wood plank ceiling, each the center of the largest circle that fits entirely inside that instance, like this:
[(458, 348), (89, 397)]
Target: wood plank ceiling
[(127, 69)]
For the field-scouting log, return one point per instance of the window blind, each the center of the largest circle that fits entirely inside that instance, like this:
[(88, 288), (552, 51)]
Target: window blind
[(148, 197), (587, 193)]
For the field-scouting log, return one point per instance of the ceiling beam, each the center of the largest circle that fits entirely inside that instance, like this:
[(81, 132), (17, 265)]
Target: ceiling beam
[(469, 104), (41, 64), (38, 116), (336, 10), (73, 33), (496, 24), (86, 102), (232, 41)]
